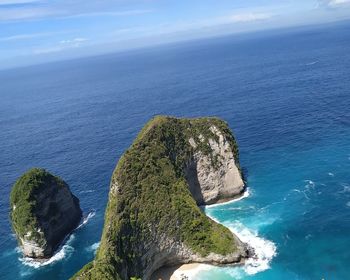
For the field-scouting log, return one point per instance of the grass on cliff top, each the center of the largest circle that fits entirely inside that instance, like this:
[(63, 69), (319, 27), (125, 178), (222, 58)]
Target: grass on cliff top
[(23, 202), (153, 198)]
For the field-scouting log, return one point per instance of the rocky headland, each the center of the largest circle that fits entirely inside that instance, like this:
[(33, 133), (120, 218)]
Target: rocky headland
[(152, 217), (43, 212)]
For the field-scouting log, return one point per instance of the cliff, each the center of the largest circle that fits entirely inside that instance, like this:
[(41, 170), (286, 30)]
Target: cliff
[(43, 212), (152, 218)]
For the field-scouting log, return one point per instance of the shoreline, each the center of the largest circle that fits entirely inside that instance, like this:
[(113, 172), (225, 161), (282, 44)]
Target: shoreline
[(178, 272), (224, 201), (189, 270), (61, 250)]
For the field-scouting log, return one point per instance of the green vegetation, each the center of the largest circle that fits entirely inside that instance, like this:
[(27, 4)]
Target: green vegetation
[(23, 202), (150, 198)]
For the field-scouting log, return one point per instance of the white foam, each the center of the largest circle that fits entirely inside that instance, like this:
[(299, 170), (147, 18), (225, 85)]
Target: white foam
[(87, 191), (311, 63), (86, 219), (63, 253), (308, 236), (310, 184), (302, 192), (346, 188), (264, 250), (331, 174), (245, 194), (93, 248)]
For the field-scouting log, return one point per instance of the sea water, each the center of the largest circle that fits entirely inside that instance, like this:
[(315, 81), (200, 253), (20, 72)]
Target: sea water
[(286, 96)]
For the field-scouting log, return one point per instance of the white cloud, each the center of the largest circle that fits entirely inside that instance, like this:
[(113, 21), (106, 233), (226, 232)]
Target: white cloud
[(62, 45), (15, 2), (334, 3), (235, 22), (110, 14), (24, 36), (248, 17), (30, 13), (28, 36), (239, 17), (25, 13), (74, 41)]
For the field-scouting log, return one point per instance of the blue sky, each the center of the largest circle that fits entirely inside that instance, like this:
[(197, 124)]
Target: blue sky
[(39, 30)]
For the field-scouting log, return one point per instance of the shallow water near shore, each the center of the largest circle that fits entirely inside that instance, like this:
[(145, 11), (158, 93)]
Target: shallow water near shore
[(286, 96)]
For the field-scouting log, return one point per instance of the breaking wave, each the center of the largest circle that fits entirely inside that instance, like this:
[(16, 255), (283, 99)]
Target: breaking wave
[(311, 63), (264, 250), (245, 194), (63, 252), (87, 218), (86, 191), (93, 248)]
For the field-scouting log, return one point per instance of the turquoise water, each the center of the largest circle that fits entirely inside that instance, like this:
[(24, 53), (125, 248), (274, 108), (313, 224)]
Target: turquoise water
[(285, 94), (305, 213)]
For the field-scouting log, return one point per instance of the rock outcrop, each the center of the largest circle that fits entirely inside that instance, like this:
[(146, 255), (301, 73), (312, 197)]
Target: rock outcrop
[(43, 212), (152, 218), (211, 183)]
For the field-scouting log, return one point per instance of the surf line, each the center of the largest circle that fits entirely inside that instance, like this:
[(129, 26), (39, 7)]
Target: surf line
[(264, 250), (63, 251)]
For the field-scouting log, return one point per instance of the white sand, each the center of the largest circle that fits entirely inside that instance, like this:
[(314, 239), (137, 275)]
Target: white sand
[(177, 272)]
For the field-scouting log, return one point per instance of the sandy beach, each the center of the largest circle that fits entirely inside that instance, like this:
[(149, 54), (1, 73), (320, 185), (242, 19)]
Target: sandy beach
[(176, 272)]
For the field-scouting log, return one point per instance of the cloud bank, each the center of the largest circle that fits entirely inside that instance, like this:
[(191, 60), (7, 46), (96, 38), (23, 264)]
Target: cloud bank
[(335, 3)]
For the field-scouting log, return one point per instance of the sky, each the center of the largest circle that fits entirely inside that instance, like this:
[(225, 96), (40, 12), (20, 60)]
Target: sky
[(34, 31)]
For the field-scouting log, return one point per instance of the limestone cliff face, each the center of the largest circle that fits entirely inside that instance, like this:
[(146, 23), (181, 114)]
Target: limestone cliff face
[(43, 212), (152, 218), (211, 183)]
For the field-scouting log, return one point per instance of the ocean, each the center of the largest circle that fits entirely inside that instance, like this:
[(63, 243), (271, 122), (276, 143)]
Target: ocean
[(284, 93)]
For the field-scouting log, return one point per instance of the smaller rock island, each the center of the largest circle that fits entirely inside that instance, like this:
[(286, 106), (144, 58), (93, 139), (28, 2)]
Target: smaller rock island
[(43, 212)]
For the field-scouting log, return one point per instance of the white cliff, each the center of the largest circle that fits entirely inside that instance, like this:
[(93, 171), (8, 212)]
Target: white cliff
[(211, 183)]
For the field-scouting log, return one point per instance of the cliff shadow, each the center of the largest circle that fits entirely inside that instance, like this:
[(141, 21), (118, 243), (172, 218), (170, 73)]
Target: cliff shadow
[(193, 183)]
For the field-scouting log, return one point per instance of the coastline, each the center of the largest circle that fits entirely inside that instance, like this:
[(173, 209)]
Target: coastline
[(63, 250), (220, 202), (188, 271), (178, 272), (264, 251)]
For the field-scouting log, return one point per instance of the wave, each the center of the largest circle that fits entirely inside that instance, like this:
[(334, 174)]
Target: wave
[(87, 191), (264, 250), (245, 194), (310, 184), (331, 174), (301, 192), (346, 188), (86, 219), (311, 63), (63, 252), (93, 248)]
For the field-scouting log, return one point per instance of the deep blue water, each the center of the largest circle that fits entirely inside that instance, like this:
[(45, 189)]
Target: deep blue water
[(286, 95)]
